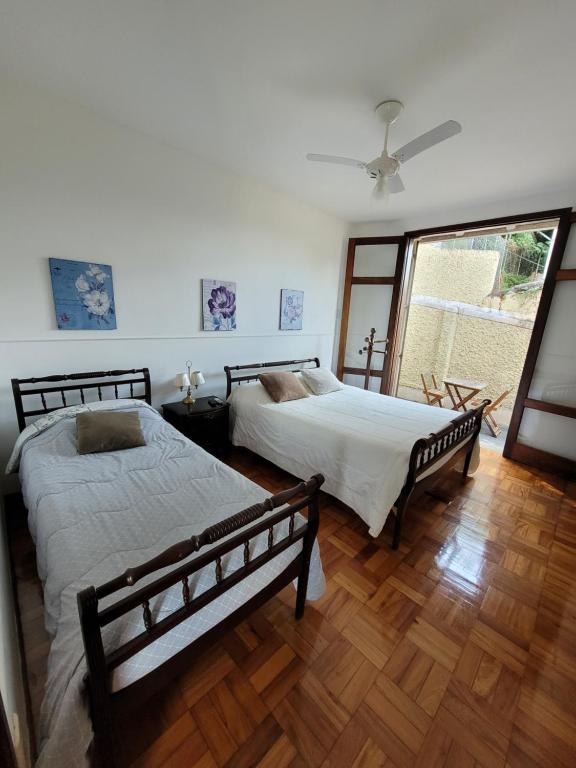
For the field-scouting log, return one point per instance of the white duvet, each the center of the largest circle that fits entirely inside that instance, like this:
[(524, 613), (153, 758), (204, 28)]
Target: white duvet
[(92, 517), (359, 440)]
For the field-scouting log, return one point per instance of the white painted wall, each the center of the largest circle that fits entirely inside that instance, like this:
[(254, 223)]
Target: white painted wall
[(556, 365), (73, 185)]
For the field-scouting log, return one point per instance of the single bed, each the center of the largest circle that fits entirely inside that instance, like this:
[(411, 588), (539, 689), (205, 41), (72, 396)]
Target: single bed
[(128, 601), (375, 452)]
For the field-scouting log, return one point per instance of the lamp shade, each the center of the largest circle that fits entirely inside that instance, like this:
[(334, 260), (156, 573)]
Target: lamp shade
[(182, 380), (196, 378)]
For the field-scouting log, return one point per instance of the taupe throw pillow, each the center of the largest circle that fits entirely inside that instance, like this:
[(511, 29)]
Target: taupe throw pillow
[(100, 431), (283, 386)]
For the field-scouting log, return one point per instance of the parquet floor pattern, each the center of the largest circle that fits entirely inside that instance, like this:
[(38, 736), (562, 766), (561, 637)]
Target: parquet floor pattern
[(458, 650)]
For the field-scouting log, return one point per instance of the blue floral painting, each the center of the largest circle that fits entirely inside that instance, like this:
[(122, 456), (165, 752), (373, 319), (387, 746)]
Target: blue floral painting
[(83, 295), (219, 305), (291, 309)]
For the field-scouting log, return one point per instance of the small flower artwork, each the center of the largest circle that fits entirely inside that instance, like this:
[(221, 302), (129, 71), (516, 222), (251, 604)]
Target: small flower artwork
[(219, 305), (83, 295), (291, 309)]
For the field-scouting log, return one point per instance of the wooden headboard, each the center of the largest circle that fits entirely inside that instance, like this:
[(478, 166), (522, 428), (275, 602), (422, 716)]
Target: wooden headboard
[(92, 380), (284, 364)]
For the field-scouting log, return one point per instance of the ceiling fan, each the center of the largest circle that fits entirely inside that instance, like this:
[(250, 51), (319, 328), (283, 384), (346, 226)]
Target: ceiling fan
[(384, 168)]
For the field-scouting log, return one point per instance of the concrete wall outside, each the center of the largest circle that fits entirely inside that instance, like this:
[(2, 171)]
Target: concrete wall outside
[(447, 343), (455, 275), (457, 343)]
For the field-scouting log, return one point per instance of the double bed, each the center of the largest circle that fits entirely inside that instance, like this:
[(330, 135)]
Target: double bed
[(375, 452), (146, 555)]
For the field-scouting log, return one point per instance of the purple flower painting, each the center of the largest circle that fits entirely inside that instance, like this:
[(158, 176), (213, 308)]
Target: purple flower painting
[(219, 305), (291, 309)]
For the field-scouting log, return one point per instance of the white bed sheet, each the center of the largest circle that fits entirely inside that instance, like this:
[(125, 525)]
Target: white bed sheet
[(359, 440), (92, 517)]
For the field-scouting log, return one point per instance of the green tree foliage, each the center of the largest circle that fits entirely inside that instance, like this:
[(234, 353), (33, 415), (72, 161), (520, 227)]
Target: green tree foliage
[(527, 252)]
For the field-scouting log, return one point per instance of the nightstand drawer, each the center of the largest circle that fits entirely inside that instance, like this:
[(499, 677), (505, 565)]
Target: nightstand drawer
[(204, 424), (206, 429)]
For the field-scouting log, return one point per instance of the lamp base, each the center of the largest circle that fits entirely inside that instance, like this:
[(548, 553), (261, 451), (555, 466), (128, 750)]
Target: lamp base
[(189, 400)]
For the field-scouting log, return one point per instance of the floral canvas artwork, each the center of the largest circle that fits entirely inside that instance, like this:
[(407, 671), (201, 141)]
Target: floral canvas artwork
[(83, 295), (219, 305), (291, 309)]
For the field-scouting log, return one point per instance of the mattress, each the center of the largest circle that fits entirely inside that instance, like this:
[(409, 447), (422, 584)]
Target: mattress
[(359, 440), (93, 516)]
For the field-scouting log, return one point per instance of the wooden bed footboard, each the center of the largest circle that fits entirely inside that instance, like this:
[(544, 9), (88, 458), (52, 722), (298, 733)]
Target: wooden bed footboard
[(456, 441), (106, 704)]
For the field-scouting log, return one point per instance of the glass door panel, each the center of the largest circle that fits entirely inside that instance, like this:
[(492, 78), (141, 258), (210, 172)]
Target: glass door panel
[(554, 379), (371, 292), (375, 260), (569, 260), (369, 308), (548, 432)]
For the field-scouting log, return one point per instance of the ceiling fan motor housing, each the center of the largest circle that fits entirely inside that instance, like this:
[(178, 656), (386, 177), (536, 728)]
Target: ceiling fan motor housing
[(382, 166)]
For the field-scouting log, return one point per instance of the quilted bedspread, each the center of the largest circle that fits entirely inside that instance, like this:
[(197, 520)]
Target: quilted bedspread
[(92, 517)]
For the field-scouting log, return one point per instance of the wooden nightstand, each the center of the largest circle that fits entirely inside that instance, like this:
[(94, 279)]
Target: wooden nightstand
[(204, 424)]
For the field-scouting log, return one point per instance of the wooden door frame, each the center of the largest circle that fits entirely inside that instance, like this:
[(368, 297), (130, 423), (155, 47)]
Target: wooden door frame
[(395, 281), (566, 218)]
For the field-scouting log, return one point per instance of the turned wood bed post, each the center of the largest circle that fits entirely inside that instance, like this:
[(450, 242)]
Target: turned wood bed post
[(402, 502), (100, 709), (307, 546), (427, 451)]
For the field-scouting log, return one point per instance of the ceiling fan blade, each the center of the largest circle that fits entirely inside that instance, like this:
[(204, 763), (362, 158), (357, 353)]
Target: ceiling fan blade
[(395, 184), (435, 136), (336, 160)]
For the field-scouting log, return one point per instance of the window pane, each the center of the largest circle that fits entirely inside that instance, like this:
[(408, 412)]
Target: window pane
[(375, 260)]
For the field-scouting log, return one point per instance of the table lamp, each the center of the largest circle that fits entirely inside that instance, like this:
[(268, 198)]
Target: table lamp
[(188, 380)]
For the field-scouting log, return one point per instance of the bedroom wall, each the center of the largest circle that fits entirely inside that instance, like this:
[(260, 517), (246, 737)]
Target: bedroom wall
[(74, 185)]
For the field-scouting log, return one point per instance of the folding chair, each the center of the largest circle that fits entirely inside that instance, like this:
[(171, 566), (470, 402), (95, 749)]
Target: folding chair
[(488, 416), (433, 395)]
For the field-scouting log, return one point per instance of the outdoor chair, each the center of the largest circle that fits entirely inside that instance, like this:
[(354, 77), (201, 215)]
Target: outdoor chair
[(433, 394), (489, 411)]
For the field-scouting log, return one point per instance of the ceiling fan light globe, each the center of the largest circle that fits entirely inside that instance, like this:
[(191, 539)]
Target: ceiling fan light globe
[(380, 191)]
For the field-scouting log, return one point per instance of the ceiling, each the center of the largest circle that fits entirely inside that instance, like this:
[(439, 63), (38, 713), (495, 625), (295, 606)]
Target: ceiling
[(256, 84)]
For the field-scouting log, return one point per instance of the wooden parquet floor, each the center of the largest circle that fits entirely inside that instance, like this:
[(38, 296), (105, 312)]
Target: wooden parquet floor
[(458, 650)]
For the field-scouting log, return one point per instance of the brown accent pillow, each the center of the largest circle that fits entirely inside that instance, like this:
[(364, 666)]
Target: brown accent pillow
[(100, 431), (283, 386)]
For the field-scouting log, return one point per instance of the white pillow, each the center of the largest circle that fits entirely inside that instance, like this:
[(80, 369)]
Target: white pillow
[(321, 381)]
